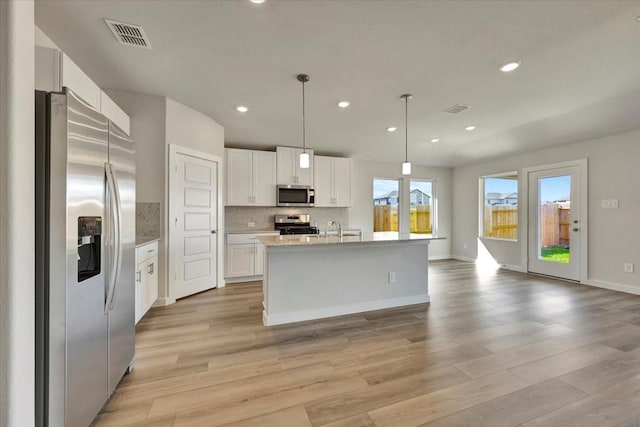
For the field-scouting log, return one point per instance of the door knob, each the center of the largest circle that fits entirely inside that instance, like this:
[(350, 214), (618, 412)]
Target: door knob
[(576, 229), (214, 231)]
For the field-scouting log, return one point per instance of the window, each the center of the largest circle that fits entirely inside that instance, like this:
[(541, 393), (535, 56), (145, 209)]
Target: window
[(500, 206), (386, 196), (421, 206)]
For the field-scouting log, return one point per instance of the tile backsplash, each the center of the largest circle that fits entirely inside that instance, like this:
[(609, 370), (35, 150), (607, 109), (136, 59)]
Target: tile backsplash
[(237, 217), (148, 219)]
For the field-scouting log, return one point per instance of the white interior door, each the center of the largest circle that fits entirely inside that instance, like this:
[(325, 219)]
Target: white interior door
[(194, 202), (555, 222)]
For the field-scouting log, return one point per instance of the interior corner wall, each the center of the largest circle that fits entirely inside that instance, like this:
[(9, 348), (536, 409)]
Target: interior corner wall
[(148, 124), (17, 233), (613, 234), (191, 129), (361, 212), (41, 39)]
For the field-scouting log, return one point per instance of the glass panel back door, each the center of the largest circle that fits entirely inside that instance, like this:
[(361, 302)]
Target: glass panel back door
[(554, 222)]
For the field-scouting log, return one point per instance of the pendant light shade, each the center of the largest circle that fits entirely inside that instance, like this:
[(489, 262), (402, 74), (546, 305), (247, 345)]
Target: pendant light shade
[(406, 166), (304, 156), (304, 160)]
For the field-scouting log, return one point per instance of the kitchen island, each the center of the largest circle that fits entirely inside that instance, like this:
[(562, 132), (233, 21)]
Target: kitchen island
[(312, 277)]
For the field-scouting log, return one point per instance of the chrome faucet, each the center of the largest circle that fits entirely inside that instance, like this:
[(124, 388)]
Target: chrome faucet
[(338, 227)]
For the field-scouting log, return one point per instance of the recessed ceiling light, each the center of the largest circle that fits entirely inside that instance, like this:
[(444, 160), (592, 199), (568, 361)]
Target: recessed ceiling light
[(392, 129), (343, 104), (509, 66), (434, 140), (242, 109), (470, 128), (257, 1)]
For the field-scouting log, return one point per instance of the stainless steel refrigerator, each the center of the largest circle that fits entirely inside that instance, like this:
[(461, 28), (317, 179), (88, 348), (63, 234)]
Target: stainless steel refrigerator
[(85, 228)]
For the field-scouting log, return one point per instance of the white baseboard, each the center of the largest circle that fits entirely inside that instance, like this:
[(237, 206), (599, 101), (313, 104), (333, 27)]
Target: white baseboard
[(463, 258), (439, 257), (320, 313), (161, 302), (613, 286), (512, 267), (232, 280)]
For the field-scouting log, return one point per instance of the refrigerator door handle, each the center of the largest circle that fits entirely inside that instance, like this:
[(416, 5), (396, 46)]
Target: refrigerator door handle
[(117, 229)]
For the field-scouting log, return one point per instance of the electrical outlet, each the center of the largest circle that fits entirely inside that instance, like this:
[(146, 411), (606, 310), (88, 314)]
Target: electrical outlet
[(251, 224), (628, 267), (329, 223), (392, 277), (610, 204)]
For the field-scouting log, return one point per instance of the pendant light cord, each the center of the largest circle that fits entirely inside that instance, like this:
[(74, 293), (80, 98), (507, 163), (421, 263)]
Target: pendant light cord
[(406, 131), (304, 130)]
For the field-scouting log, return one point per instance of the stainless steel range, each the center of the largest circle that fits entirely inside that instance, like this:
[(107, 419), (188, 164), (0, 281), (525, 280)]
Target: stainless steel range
[(294, 224)]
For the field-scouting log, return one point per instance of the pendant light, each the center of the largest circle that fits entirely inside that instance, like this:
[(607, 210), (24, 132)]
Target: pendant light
[(304, 156), (406, 166)]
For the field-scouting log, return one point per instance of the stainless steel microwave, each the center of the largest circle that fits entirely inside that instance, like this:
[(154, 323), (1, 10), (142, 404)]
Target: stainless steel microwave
[(295, 195)]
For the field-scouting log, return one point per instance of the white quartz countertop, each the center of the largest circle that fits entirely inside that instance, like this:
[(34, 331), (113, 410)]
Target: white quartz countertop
[(145, 240), (251, 231), (319, 240)]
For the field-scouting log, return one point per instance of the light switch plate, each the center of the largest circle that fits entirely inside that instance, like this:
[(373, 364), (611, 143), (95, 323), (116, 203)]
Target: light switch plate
[(610, 204), (251, 224), (628, 267)]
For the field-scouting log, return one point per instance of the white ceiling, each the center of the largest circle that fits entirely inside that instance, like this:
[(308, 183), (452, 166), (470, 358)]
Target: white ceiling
[(580, 73)]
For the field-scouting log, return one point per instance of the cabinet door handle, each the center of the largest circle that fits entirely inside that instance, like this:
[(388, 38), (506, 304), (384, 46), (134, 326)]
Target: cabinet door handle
[(151, 268), (138, 276)]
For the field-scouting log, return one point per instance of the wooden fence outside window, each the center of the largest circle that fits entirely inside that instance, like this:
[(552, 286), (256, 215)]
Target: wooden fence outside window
[(385, 218), (502, 222)]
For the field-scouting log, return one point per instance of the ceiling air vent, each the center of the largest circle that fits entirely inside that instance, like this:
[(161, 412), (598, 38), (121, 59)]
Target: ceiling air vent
[(129, 34), (458, 108)]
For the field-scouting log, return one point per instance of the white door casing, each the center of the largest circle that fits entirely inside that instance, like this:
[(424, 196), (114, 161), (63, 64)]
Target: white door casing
[(576, 268), (194, 222)]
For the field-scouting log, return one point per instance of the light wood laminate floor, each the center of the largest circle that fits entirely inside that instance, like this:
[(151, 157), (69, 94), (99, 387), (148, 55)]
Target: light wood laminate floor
[(492, 349)]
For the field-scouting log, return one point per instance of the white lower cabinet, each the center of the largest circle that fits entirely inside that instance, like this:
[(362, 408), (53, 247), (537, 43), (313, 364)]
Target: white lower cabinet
[(245, 254), (240, 259), (146, 278)]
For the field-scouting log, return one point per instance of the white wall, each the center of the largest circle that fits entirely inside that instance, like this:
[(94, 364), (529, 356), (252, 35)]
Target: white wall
[(192, 129), (614, 234), (156, 122), (17, 263), (41, 39), (361, 214), (147, 113)]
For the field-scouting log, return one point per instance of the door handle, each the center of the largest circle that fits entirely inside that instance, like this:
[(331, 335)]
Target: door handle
[(576, 229), (214, 231)]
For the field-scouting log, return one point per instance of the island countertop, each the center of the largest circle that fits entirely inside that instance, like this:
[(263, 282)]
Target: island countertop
[(321, 240)]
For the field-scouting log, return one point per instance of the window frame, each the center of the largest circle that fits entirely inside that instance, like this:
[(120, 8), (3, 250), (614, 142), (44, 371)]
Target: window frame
[(400, 198), (434, 203), (514, 175)]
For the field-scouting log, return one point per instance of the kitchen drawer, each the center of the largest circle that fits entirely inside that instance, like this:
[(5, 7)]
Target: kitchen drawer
[(147, 251), (242, 238)]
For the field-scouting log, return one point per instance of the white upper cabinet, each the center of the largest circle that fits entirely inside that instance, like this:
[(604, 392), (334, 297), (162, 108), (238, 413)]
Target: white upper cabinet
[(342, 181), (48, 66), (251, 177), (264, 178), (55, 70), (76, 80), (289, 171), (323, 180), (114, 113), (333, 181)]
